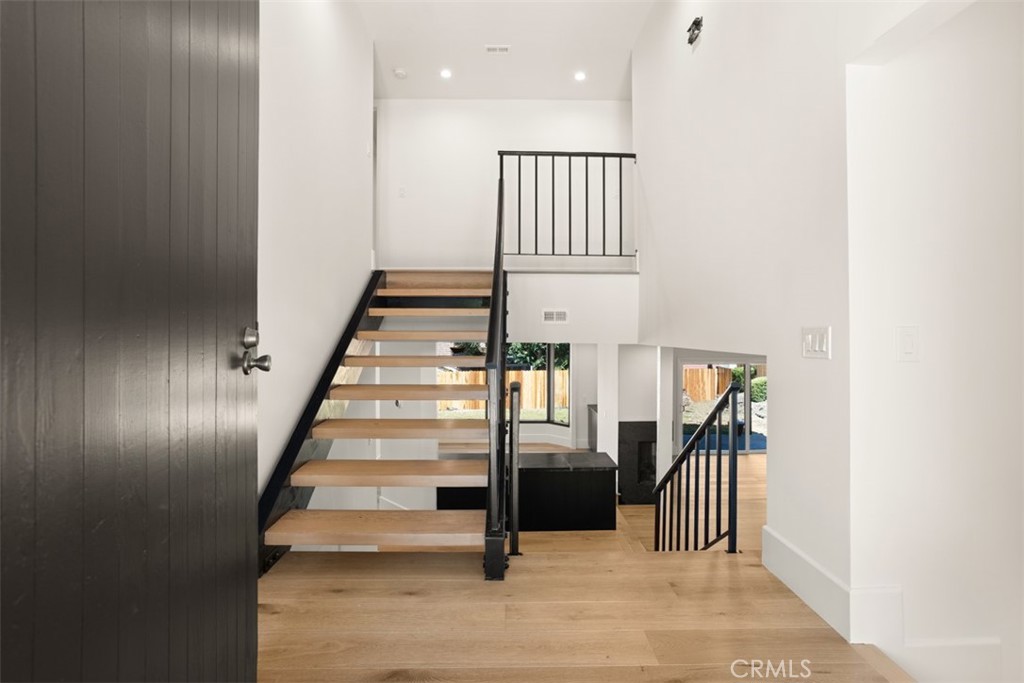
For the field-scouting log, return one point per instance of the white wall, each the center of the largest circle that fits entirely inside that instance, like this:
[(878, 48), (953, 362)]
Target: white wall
[(315, 198), (638, 383), (741, 219), (601, 307), (935, 243), (437, 168)]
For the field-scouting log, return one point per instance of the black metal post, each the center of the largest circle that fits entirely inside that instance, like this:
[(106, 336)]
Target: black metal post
[(732, 468), (514, 399), (570, 206)]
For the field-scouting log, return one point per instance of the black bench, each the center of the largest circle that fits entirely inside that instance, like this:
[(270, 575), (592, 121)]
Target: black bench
[(557, 492)]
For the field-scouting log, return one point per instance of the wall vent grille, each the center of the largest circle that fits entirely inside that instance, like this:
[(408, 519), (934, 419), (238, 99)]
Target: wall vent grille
[(555, 316)]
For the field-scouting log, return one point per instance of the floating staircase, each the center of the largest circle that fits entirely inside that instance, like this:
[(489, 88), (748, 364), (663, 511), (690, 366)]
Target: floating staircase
[(404, 306)]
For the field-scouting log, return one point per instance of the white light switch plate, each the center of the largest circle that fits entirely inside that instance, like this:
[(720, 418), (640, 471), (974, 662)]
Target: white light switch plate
[(817, 342), (908, 345)]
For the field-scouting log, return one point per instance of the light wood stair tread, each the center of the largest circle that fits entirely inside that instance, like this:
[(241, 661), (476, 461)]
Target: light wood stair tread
[(451, 473), (440, 292), (407, 392), (422, 335), (378, 527), (434, 279), (414, 361), (400, 429), (395, 312)]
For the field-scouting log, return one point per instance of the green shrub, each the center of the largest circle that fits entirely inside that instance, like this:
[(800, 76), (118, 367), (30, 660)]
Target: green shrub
[(737, 373), (759, 389)]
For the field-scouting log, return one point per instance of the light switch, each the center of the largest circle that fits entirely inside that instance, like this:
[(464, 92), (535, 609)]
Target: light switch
[(908, 345), (817, 342)]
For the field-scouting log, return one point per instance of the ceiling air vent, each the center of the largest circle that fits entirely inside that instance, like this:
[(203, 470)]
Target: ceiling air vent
[(556, 316), (497, 49)]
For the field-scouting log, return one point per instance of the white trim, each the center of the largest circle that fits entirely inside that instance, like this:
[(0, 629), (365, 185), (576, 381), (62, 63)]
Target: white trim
[(876, 617), (822, 591)]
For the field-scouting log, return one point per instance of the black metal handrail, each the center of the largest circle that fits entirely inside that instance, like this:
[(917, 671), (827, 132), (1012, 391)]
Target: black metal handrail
[(612, 243), (497, 470), (672, 518), (278, 497)]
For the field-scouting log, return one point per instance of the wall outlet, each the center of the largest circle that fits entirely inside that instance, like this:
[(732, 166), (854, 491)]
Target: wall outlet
[(817, 342), (908, 345)]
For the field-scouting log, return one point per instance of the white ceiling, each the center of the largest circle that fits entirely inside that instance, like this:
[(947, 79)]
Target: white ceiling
[(550, 41)]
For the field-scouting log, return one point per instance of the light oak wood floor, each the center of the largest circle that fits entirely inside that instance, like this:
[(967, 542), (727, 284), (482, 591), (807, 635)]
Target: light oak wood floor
[(587, 607)]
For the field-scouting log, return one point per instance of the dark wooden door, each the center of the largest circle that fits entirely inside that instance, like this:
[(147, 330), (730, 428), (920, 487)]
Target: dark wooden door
[(127, 273)]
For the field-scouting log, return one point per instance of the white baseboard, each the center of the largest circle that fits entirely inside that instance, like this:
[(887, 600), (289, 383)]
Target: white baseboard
[(876, 617), (823, 592)]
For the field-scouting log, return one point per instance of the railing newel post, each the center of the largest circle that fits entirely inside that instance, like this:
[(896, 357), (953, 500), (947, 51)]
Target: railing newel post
[(733, 416)]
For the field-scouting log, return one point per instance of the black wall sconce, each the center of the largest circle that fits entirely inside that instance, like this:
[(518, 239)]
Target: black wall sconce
[(694, 30)]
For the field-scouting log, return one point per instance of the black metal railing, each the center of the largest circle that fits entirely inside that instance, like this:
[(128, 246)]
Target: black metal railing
[(497, 471), (561, 228), (682, 510)]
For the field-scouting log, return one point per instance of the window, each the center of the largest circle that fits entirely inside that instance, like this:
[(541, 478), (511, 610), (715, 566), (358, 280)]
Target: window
[(545, 392), (545, 395)]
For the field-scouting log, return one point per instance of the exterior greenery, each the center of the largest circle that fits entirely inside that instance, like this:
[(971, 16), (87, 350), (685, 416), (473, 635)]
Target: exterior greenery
[(759, 390)]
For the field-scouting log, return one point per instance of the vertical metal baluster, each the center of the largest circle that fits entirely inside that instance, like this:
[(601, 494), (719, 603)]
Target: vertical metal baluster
[(604, 206), (718, 481), (621, 231), (519, 198), (686, 511), (707, 495), (657, 521), (671, 510), (570, 204), (552, 204), (586, 209), (536, 202), (696, 491)]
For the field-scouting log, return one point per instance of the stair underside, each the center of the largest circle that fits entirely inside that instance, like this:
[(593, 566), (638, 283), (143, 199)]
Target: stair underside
[(423, 335), (440, 292), (378, 527), (429, 312), (401, 429), (449, 473), (414, 361), (408, 392)]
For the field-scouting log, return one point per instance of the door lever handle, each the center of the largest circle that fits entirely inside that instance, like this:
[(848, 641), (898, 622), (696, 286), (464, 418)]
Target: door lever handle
[(249, 363)]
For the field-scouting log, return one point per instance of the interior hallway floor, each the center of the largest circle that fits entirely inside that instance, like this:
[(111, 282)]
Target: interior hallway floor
[(585, 607)]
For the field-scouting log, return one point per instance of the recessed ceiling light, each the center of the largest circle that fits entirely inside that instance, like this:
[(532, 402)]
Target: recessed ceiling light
[(446, 73), (400, 73), (580, 76)]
